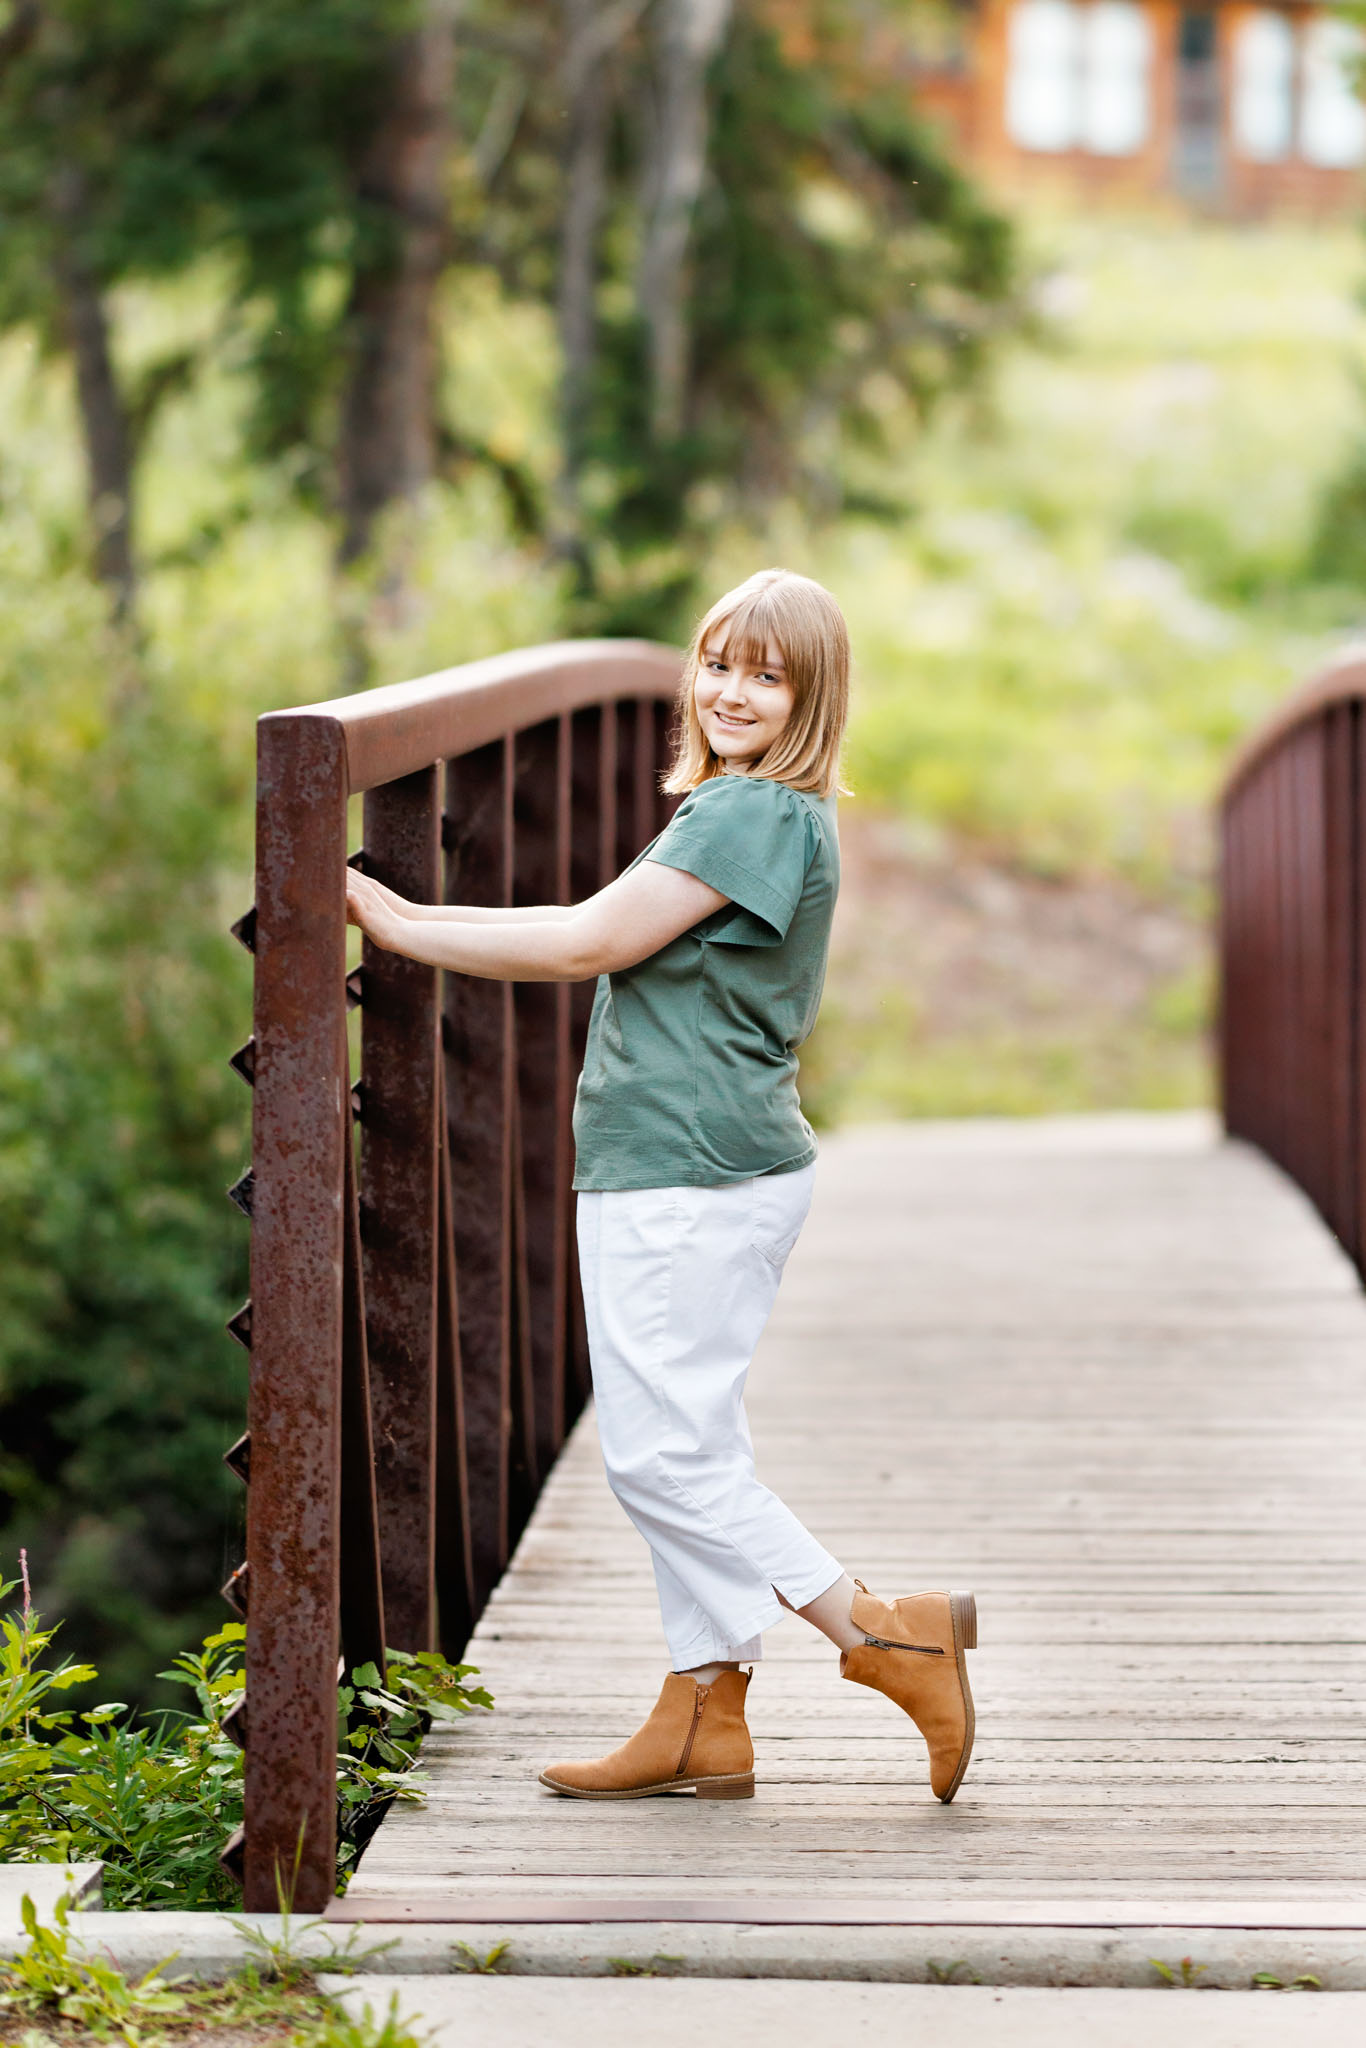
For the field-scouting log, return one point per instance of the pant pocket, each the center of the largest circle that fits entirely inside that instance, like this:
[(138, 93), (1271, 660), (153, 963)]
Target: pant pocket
[(781, 1202)]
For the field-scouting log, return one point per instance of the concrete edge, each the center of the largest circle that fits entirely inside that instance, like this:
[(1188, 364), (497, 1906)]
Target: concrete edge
[(210, 1946), (45, 1884)]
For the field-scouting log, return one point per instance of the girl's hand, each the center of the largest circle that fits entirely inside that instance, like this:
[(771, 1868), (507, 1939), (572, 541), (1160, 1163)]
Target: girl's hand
[(366, 907)]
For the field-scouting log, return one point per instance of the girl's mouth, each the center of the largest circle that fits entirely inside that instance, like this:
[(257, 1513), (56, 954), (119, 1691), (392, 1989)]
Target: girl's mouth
[(736, 724)]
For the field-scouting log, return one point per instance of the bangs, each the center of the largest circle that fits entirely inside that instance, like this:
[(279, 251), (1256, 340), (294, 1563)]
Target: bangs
[(747, 633)]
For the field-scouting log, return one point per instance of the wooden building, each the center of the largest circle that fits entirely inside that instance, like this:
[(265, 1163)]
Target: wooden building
[(1238, 108)]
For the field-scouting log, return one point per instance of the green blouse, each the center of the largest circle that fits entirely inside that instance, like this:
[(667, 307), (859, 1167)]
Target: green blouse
[(690, 1073)]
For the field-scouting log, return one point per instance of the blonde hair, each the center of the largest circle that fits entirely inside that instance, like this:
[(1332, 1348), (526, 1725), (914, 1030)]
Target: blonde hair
[(808, 626)]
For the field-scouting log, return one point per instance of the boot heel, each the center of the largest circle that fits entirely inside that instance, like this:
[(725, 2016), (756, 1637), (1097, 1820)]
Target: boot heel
[(964, 1608), (726, 1788)]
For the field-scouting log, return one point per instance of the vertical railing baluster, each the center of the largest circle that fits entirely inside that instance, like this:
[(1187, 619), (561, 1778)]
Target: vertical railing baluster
[(523, 1479), (1230, 1010), (541, 875), (610, 746), (479, 1099), (300, 1126), (645, 778), (592, 865), (664, 804), (1313, 915), (363, 1632), (399, 1033), (455, 1594), (628, 843)]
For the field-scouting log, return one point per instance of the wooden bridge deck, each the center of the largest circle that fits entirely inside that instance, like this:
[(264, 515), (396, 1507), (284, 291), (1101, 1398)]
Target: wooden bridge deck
[(1110, 1373)]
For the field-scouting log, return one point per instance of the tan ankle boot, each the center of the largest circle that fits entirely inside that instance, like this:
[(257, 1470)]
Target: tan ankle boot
[(913, 1652), (694, 1741)]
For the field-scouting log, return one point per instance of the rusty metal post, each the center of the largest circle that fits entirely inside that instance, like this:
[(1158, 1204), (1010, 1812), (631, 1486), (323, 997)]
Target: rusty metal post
[(480, 1078), (542, 875), (400, 1020), (300, 1125)]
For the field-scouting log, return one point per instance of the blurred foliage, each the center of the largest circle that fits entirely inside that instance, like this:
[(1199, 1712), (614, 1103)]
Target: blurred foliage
[(836, 255), (197, 125), (841, 271), (120, 802)]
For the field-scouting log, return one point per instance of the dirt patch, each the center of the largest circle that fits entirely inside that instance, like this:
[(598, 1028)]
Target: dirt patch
[(961, 985)]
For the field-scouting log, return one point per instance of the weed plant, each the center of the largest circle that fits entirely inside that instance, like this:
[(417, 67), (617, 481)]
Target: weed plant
[(58, 1993), (154, 1797)]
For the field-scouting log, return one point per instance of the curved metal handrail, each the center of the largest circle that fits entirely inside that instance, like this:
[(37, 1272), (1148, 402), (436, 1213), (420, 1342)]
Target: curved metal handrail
[(400, 727), (1340, 681)]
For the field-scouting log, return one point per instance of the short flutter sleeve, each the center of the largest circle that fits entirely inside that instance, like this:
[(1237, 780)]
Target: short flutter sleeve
[(749, 838)]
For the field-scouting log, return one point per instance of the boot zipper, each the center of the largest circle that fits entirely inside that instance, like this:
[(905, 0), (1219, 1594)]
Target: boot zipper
[(881, 1642), (692, 1733)]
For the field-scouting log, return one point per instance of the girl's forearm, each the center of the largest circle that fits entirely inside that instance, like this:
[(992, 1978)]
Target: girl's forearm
[(473, 913), (511, 947)]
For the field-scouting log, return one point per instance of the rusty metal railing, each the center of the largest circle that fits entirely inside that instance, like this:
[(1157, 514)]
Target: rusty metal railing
[(416, 1339), (1292, 1047)]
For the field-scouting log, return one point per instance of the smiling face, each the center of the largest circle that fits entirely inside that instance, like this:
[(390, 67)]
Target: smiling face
[(742, 702)]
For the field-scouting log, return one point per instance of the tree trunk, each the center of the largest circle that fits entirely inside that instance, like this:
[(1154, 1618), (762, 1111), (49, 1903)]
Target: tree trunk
[(592, 30), (688, 33), (387, 439), (104, 420), (585, 186)]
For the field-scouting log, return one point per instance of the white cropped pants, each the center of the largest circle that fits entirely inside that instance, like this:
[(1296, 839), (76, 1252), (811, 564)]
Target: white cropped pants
[(677, 1286)]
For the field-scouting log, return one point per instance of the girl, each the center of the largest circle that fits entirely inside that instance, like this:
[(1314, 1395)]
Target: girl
[(694, 1170)]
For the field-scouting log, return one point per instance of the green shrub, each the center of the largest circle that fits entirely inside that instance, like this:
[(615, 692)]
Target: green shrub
[(154, 1797)]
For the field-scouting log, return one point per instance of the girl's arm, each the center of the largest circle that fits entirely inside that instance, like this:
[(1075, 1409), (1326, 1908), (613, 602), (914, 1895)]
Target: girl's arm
[(470, 913), (619, 927)]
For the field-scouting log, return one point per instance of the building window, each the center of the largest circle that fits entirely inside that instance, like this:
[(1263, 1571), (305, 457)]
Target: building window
[(1264, 87), (1043, 73), (1114, 99), (1332, 117), (1077, 77)]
